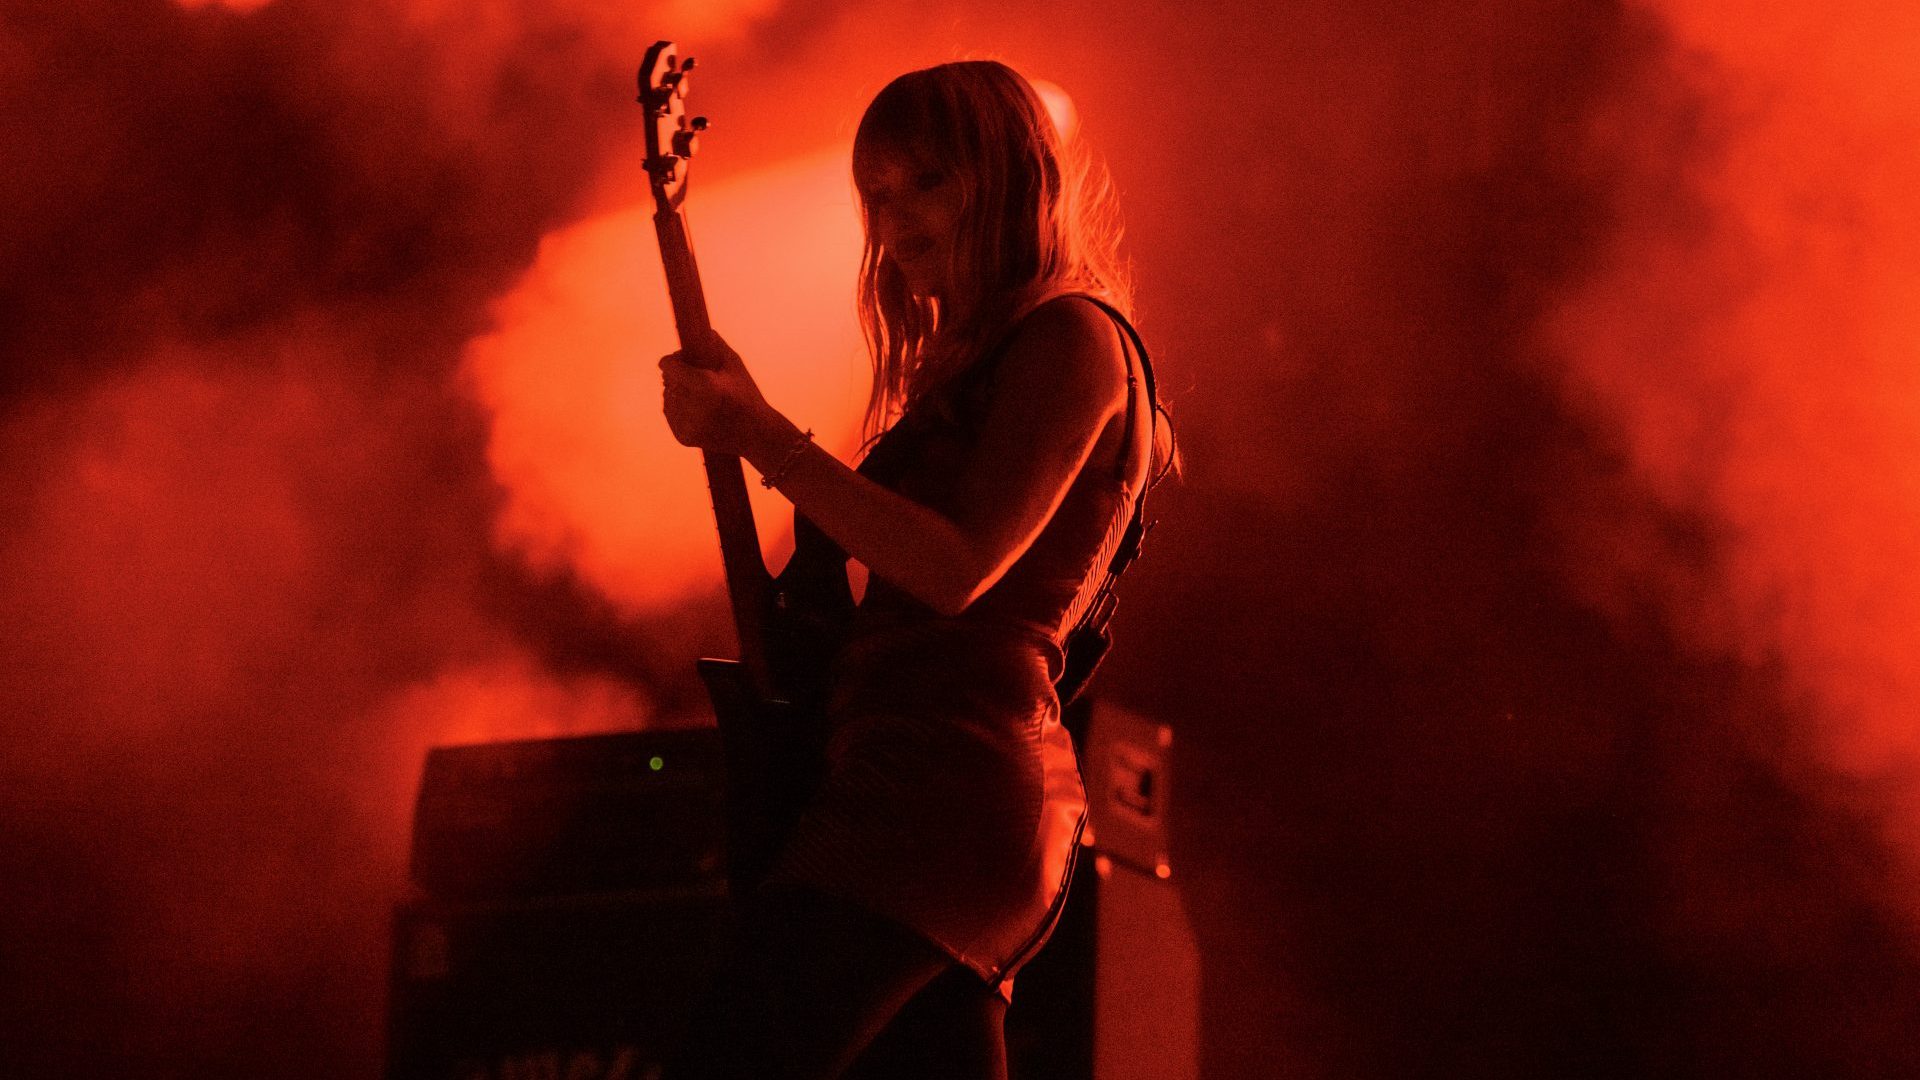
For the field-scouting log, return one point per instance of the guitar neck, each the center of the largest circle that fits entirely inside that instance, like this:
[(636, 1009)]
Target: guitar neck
[(749, 586)]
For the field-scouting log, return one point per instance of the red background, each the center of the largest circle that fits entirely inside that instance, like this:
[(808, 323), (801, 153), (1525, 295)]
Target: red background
[(1535, 613)]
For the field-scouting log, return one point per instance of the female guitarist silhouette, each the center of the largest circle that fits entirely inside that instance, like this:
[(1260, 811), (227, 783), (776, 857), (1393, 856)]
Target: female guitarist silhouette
[(932, 858)]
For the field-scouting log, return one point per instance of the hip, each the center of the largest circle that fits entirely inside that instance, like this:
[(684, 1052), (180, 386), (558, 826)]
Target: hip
[(946, 665)]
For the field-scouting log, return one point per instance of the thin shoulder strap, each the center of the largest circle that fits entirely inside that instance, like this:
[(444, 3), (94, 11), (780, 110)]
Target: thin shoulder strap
[(1088, 640), (1139, 349), (1137, 529)]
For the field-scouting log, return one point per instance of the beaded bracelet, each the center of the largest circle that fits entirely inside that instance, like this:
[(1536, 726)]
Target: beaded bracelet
[(779, 472)]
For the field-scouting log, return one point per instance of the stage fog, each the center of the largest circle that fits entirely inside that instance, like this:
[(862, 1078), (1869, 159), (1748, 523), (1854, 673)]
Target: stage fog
[(1534, 612)]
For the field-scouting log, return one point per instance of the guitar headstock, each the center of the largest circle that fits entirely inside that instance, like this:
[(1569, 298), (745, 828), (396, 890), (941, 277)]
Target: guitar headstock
[(672, 136)]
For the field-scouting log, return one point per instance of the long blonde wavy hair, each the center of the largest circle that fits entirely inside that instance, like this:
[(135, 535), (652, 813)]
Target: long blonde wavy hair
[(1037, 219)]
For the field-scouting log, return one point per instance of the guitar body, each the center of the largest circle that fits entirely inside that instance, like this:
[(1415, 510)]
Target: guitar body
[(769, 703), (774, 754)]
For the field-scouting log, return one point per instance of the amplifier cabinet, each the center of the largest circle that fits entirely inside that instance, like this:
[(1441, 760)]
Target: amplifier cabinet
[(1115, 994), (588, 987), (571, 815), (1147, 969)]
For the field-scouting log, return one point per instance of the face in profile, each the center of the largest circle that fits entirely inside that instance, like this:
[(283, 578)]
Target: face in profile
[(913, 215)]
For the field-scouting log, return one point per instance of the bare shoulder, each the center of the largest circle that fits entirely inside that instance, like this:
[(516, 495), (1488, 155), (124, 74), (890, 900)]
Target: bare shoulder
[(1071, 346)]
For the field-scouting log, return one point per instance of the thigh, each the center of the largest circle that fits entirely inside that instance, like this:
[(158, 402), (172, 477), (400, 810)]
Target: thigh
[(812, 981)]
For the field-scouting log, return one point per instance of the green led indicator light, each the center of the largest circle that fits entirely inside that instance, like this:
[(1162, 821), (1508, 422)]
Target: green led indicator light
[(656, 764)]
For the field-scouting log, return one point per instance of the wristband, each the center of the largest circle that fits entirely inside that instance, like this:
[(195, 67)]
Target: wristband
[(779, 472)]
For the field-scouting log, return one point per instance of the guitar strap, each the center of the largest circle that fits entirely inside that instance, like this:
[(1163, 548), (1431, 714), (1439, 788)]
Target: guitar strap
[(1087, 643)]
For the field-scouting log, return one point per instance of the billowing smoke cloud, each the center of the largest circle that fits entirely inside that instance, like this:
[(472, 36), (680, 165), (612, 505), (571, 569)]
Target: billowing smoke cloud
[(1562, 437), (247, 567), (1749, 334), (1745, 341), (593, 475)]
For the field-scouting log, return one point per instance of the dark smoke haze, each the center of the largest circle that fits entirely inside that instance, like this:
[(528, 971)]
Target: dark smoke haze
[(1534, 616)]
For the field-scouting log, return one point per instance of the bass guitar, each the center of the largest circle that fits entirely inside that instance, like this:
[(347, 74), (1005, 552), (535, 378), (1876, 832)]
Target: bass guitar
[(768, 702)]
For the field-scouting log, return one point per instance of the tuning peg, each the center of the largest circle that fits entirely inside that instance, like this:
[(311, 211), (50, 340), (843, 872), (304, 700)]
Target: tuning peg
[(698, 123), (676, 80)]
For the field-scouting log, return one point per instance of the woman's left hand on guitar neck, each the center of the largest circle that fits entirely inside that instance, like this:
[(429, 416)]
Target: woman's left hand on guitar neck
[(714, 404)]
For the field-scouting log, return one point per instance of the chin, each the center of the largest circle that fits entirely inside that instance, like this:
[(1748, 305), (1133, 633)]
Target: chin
[(920, 282)]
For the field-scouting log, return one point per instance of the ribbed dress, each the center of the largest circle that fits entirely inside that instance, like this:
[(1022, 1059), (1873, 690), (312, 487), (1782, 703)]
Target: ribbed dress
[(952, 800)]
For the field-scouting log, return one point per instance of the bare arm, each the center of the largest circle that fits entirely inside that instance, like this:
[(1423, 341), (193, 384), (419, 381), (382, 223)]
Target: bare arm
[(1062, 379)]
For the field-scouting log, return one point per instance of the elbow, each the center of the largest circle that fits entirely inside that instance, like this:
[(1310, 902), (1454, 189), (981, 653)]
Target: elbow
[(957, 594), (952, 602), (965, 576)]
